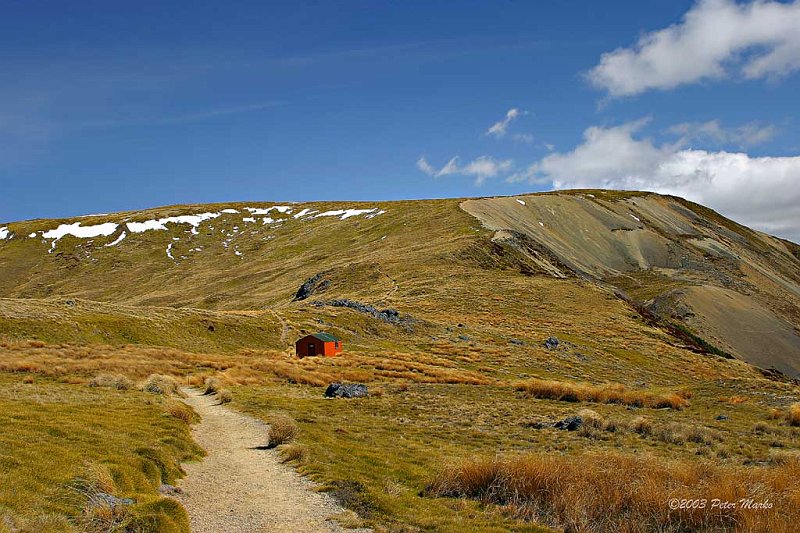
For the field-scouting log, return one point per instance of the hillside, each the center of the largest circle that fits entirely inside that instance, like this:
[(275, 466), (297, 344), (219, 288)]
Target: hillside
[(729, 289), (668, 319)]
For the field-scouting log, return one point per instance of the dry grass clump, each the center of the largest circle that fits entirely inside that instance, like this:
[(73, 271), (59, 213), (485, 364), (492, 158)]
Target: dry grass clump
[(112, 381), (213, 385), (224, 396), (282, 429), (678, 433), (608, 393), (293, 452), (183, 412), (793, 414), (159, 384), (615, 492)]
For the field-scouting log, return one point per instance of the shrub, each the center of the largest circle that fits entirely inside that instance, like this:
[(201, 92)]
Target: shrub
[(616, 492), (158, 384), (282, 429), (293, 452), (111, 381), (224, 396), (608, 393), (212, 386)]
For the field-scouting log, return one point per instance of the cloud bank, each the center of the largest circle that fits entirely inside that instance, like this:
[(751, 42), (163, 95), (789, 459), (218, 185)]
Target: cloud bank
[(715, 39), (481, 169), (761, 192)]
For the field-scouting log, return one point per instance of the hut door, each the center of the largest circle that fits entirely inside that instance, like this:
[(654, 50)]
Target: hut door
[(312, 349)]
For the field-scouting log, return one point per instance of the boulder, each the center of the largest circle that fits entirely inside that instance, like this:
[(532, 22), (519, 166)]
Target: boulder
[(571, 423), (551, 343), (346, 390)]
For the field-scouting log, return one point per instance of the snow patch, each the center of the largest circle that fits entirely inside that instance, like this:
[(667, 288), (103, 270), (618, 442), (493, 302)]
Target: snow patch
[(634, 217), (4, 233), (304, 212), (118, 240), (161, 223), (520, 201), (82, 232), (345, 213), (169, 251), (248, 219), (261, 211), (229, 211), (541, 223), (32, 235)]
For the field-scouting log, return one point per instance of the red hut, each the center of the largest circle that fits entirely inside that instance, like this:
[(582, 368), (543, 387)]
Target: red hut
[(318, 344)]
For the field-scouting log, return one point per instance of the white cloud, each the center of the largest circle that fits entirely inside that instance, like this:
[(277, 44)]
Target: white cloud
[(499, 129), (755, 40), (761, 192), (746, 135), (481, 169)]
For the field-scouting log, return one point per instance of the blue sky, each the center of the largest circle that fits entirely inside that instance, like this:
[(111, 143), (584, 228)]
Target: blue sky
[(107, 106)]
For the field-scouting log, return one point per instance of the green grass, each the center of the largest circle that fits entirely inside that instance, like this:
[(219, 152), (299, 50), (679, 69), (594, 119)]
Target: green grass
[(55, 434), (380, 453)]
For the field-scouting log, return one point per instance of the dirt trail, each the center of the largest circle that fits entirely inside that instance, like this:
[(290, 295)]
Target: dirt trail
[(240, 488)]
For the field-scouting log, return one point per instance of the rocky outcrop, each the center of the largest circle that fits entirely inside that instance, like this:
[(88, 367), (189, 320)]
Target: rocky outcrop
[(392, 316), (346, 390), (313, 285)]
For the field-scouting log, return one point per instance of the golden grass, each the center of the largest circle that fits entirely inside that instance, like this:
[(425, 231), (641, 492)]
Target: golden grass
[(88, 440), (224, 396), (624, 493), (282, 429), (608, 393), (113, 381), (158, 384), (793, 414)]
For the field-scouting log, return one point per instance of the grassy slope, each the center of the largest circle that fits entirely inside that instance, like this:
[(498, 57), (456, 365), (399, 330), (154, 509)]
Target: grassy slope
[(448, 380), (55, 434)]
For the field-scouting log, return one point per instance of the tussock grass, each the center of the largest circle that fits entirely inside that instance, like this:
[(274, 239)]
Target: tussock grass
[(182, 412), (293, 452), (609, 393), (224, 396), (615, 492), (158, 384), (793, 415), (282, 429), (213, 385), (88, 440), (113, 381)]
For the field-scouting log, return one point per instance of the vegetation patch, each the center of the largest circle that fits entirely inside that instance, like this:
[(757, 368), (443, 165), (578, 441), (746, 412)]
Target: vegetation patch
[(99, 457), (614, 492), (608, 393)]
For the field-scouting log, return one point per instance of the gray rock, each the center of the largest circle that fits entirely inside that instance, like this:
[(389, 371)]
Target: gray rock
[(169, 490), (103, 499), (722, 417), (346, 390), (517, 342), (571, 423), (312, 285), (551, 343), (392, 316)]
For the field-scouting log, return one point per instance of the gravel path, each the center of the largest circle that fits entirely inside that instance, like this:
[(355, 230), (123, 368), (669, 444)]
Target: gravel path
[(240, 488)]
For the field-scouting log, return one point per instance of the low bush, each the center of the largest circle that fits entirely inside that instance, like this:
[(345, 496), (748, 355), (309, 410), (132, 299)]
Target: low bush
[(293, 452), (158, 384), (282, 429), (224, 396), (213, 385)]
